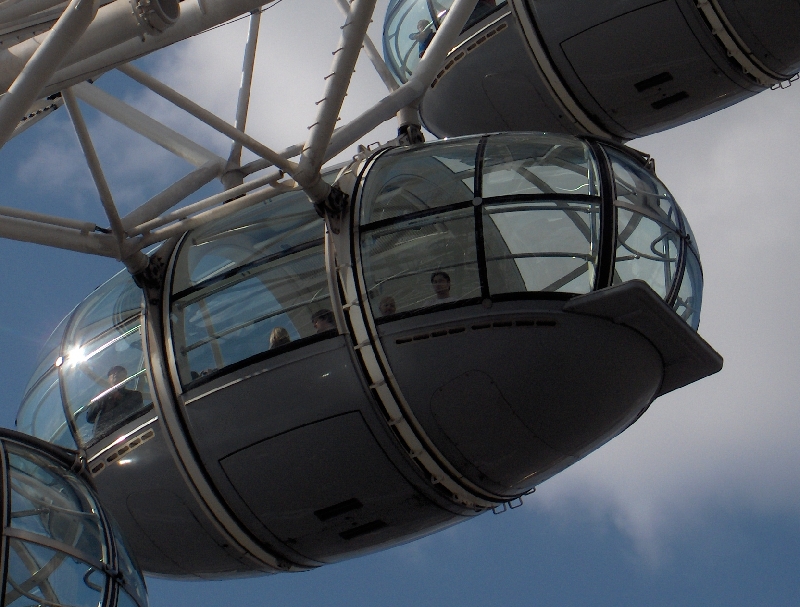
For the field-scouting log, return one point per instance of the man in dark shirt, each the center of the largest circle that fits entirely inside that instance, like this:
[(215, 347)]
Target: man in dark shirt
[(116, 405)]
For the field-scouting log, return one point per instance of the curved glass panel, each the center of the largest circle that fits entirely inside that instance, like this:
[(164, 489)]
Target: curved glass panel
[(410, 25), (527, 219), (50, 501), (38, 575), (690, 295), (132, 576), (49, 353), (640, 191), (421, 262), (405, 181), (250, 284), (649, 226), (104, 373), (57, 539), (42, 412), (529, 216), (541, 164), (646, 250), (264, 230), (541, 246)]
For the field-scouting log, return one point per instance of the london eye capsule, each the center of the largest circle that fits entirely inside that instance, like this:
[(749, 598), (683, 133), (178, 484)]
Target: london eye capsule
[(614, 69), (59, 546), (489, 310)]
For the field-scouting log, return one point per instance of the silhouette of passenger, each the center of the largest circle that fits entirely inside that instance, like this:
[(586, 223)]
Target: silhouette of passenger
[(323, 320), (441, 287), (116, 405), (423, 36), (387, 306), (279, 337)]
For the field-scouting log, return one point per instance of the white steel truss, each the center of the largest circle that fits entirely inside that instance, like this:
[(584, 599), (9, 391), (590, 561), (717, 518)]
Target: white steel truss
[(64, 46)]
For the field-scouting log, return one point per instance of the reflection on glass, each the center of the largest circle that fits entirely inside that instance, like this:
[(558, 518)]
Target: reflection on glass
[(541, 246), (51, 502), (545, 164), (131, 575), (690, 295), (252, 283), (410, 25), (42, 576), (269, 229), (406, 181), (42, 412), (57, 538), (49, 354), (421, 262), (646, 250), (639, 190)]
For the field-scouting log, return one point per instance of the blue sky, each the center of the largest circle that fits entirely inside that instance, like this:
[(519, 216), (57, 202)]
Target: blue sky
[(697, 504)]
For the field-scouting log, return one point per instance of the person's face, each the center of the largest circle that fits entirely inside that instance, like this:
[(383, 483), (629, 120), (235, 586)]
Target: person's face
[(388, 306), (115, 378), (320, 323), (441, 286)]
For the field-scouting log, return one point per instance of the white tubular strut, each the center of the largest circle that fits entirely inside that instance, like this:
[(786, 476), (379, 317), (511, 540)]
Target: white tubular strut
[(345, 56), (117, 37), (243, 102), (414, 89), (209, 118), (374, 55), (141, 123), (43, 63)]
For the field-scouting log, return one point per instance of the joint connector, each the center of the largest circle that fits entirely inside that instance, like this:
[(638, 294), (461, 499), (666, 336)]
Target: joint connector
[(410, 134), (334, 204)]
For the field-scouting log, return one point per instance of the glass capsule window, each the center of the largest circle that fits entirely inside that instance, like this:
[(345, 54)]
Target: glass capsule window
[(410, 26), (252, 285), (92, 376), (477, 218), (503, 216), (103, 365), (59, 549)]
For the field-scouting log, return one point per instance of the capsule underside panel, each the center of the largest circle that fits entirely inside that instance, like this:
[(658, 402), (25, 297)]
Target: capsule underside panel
[(158, 515), (489, 99), (320, 452), (623, 69), (769, 28), (493, 409)]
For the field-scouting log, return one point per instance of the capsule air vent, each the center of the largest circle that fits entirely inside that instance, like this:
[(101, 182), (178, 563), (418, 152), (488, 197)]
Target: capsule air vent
[(362, 530), (122, 449), (501, 324)]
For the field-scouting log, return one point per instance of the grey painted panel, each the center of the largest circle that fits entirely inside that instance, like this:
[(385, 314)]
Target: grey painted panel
[(473, 413), (616, 60), (171, 526), (298, 481), (560, 20), (569, 384), (771, 28), (495, 87), (152, 526), (273, 396)]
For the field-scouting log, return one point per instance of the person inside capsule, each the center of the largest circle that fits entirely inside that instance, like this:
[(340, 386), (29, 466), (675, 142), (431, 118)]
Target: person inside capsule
[(441, 288), (388, 306), (279, 337), (323, 321), (115, 404), (423, 35)]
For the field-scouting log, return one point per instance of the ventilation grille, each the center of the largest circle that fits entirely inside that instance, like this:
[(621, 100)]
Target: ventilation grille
[(471, 47), (121, 450), (500, 324)]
